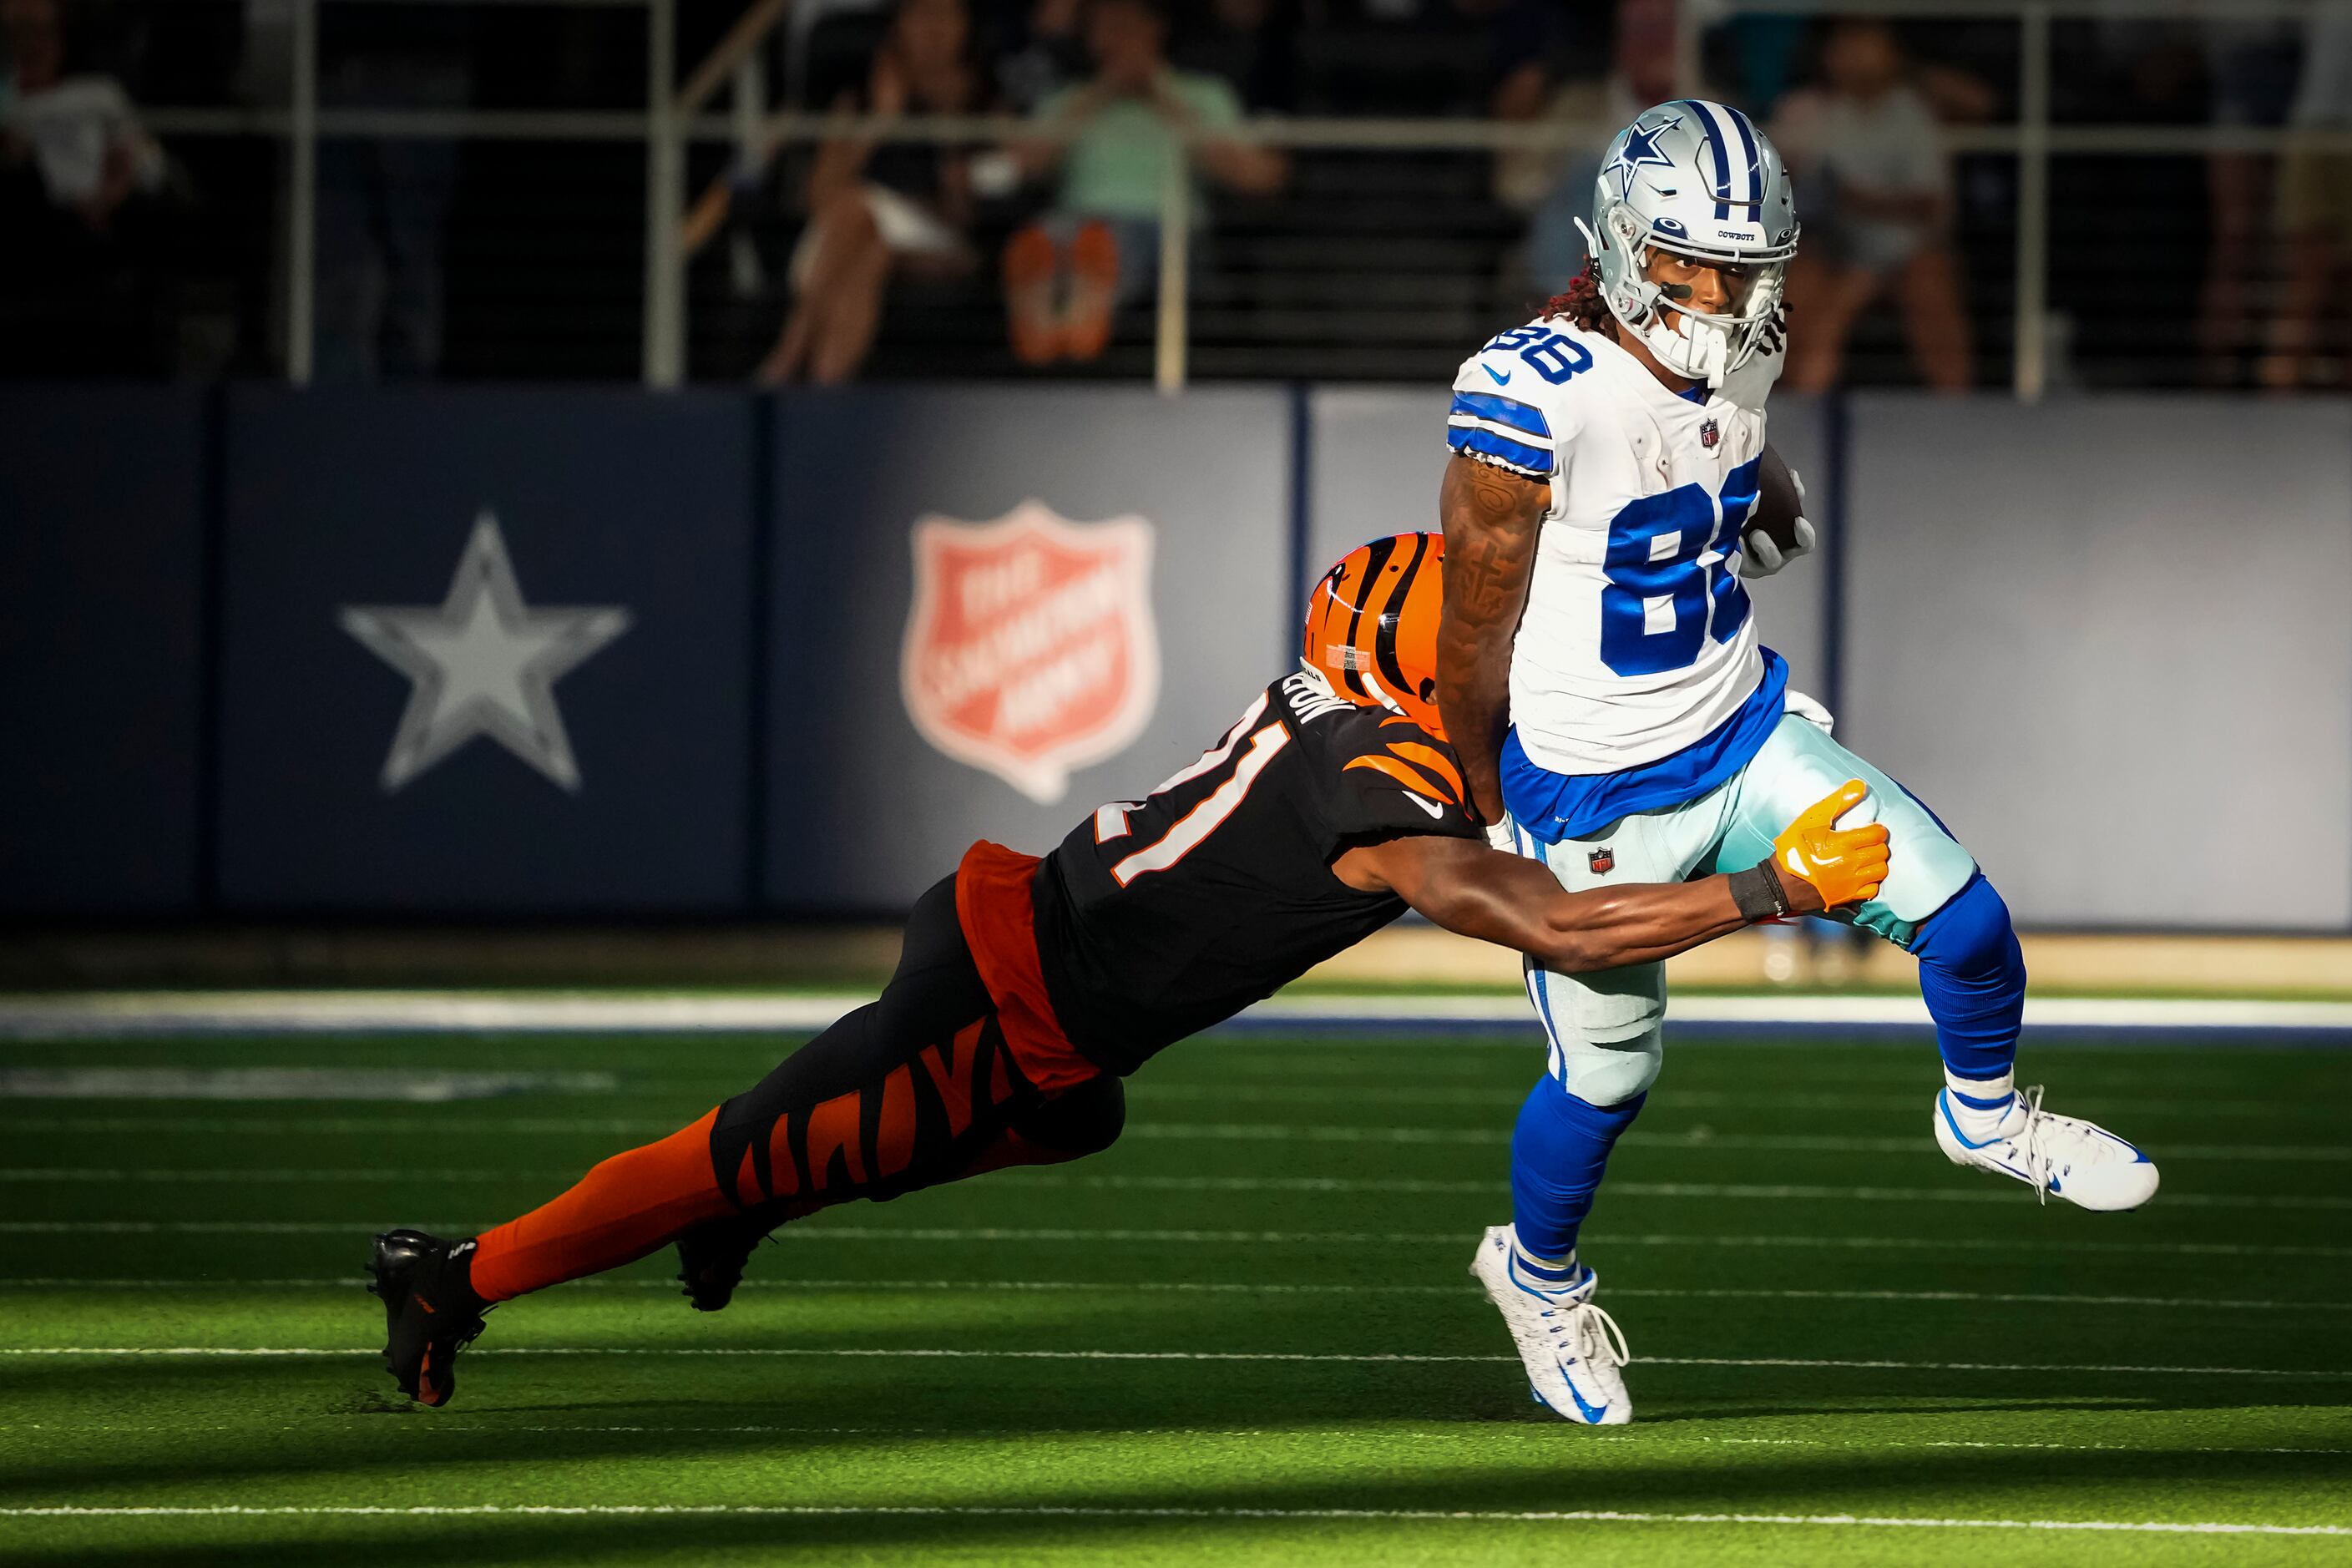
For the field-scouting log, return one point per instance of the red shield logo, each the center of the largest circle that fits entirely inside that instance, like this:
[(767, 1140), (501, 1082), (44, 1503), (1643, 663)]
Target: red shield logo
[(1709, 434), (1030, 650), (1603, 860)]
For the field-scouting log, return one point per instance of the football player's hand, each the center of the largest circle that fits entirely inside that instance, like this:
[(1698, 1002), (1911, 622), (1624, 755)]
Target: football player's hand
[(1844, 864), (1760, 557), (1500, 836)]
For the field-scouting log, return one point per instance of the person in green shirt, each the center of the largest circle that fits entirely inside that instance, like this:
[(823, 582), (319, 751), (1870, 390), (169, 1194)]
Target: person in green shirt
[(1100, 245)]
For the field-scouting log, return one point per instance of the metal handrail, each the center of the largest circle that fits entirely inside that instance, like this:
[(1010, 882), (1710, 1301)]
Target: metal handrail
[(674, 117)]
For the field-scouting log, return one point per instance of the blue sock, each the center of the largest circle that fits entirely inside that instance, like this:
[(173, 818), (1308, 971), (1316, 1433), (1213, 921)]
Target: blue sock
[(1558, 1152), (1973, 974)]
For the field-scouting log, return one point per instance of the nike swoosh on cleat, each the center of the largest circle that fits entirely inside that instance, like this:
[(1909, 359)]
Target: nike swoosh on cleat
[(1502, 378), (1593, 1412)]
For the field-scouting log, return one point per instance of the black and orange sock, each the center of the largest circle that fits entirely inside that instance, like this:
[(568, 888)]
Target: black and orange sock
[(629, 1206)]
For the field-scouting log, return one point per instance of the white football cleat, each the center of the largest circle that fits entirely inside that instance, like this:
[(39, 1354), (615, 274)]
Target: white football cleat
[(1571, 1349), (2080, 1160)]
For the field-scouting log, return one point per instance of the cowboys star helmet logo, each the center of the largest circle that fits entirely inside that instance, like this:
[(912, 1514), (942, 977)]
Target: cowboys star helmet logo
[(1640, 151)]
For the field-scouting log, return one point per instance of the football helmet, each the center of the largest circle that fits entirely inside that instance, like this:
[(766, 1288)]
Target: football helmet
[(1696, 178), (1371, 625)]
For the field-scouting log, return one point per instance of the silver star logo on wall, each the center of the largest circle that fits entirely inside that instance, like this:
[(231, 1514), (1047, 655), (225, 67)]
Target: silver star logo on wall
[(483, 663)]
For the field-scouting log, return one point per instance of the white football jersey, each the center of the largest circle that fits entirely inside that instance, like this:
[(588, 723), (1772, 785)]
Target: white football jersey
[(1638, 637)]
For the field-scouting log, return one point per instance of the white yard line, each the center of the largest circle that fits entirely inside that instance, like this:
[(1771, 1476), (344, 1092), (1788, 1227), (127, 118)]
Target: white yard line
[(1214, 1237), (110, 1016), (1237, 1287), (1045, 1511), (447, 1425), (455, 1122), (803, 1352), (1766, 1192)]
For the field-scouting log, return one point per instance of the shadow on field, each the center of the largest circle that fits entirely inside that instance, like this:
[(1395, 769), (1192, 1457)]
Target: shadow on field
[(1673, 1481)]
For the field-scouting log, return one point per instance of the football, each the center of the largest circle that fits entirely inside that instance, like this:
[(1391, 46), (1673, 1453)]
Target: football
[(1780, 502)]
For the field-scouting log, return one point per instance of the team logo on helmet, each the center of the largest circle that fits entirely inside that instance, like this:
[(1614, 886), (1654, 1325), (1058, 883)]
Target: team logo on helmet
[(1640, 151), (1030, 649), (1603, 860)]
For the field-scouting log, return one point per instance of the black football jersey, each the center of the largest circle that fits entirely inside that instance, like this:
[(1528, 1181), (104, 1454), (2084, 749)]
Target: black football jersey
[(1157, 918)]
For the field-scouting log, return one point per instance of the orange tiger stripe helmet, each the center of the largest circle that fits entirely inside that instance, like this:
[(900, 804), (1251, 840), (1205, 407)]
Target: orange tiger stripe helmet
[(1371, 625)]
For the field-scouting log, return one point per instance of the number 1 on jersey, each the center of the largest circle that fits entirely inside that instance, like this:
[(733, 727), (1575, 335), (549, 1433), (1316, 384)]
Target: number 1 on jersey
[(1187, 832)]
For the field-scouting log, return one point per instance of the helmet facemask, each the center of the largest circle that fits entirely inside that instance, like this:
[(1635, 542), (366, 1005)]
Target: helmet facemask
[(1706, 347)]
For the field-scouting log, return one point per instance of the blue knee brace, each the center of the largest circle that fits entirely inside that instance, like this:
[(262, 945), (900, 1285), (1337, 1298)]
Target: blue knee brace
[(1973, 974), (1558, 1152)]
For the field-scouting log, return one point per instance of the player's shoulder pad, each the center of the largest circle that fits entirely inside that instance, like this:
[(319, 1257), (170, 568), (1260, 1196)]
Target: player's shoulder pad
[(1381, 774), (1522, 398)]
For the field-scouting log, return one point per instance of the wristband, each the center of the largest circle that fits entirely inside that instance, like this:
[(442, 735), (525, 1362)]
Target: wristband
[(1758, 893)]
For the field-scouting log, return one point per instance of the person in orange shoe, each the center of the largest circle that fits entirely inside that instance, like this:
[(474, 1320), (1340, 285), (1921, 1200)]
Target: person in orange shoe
[(1115, 140), (1028, 987)]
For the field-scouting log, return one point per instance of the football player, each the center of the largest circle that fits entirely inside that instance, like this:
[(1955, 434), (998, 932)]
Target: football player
[(1027, 988), (1616, 717)]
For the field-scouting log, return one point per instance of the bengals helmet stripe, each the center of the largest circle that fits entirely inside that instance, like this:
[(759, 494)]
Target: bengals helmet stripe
[(1384, 643), (1371, 625), (1382, 550)]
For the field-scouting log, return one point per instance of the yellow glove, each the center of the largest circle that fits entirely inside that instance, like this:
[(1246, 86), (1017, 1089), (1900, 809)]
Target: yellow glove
[(1844, 865)]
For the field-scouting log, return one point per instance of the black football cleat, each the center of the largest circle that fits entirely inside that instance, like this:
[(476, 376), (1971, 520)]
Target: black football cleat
[(710, 1255), (430, 1311)]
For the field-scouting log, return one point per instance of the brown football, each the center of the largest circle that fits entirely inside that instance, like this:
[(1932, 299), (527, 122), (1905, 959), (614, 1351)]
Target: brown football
[(1779, 502)]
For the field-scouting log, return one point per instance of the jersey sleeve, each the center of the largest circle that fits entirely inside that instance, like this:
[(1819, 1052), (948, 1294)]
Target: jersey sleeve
[(1384, 776), (1508, 412)]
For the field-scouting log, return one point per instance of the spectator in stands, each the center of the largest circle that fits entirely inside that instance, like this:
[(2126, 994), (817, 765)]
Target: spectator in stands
[(1873, 188), (1554, 186), (880, 209), (1252, 44), (77, 179), (2251, 66), (2315, 204), (1046, 53), (384, 202), (1066, 275)]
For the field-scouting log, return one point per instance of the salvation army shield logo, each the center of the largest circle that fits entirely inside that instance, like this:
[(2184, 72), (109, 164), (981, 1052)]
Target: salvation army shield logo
[(1030, 650)]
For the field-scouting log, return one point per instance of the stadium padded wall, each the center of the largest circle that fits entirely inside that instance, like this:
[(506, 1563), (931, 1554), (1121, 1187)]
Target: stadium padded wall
[(2104, 637), (2107, 640), (348, 501), (863, 813), (101, 586)]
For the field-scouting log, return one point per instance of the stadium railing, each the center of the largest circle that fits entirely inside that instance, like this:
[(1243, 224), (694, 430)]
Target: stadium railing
[(678, 113)]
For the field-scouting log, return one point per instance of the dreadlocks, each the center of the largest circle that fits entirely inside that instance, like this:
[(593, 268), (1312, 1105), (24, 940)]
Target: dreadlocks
[(1580, 301)]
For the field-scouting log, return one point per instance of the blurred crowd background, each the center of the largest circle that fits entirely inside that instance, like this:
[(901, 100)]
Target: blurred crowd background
[(144, 177)]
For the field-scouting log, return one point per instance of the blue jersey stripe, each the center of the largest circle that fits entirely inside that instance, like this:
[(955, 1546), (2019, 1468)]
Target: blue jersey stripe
[(1520, 416), (1532, 460)]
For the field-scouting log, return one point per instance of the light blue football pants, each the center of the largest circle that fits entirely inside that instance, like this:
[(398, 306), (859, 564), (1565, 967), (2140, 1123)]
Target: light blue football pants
[(1606, 1044)]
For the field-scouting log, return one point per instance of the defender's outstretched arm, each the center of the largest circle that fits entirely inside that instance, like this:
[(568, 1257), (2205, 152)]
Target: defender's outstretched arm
[(1518, 903), (1491, 520)]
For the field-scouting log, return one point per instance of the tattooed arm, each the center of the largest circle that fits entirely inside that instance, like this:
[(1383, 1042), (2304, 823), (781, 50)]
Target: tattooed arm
[(1491, 522)]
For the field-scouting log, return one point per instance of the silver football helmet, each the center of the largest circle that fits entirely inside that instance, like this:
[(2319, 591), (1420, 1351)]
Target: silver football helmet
[(1696, 178)]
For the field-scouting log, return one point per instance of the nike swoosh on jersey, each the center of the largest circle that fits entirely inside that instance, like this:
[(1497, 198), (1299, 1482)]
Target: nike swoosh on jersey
[(1502, 378), (1436, 812)]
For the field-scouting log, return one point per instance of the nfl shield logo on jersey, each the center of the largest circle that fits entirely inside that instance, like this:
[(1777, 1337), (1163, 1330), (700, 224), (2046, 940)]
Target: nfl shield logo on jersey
[(1709, 434), (1030, 650), (1603, 860)]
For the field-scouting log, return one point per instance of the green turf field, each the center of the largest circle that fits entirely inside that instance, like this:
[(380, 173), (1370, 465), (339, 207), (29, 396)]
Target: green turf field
[(1244, 1334)]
